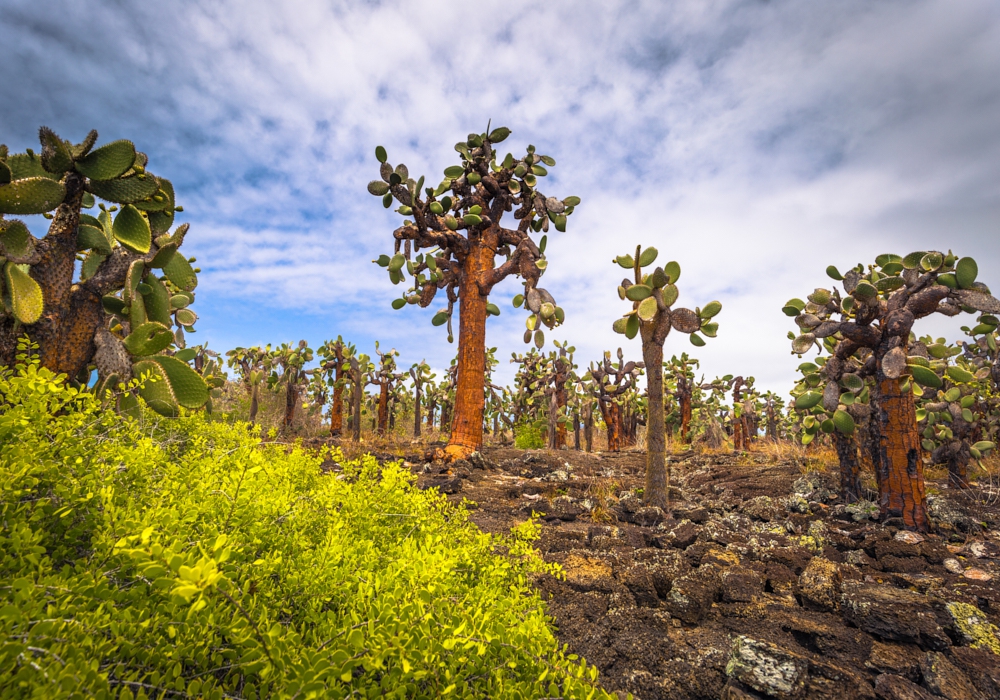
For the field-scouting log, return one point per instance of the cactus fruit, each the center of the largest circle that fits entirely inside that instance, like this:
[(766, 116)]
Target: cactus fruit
[(116, 307)]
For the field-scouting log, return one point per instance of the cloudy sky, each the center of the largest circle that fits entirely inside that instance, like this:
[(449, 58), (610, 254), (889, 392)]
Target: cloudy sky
[(755, 142)]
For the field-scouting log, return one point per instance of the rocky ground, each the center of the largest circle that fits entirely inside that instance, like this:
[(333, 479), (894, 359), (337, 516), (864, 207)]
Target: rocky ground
[(757, 584)]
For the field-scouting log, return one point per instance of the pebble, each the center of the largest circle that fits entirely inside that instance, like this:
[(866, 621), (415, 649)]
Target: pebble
[(953, 566), (909, 537), (978, 575)]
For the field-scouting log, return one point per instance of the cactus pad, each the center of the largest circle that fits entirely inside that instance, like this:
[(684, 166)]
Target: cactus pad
[(125, 190), (132, 230), (25, 294), (33, 195), (179, 271), (108, 162), (148, 339), (178, 385)]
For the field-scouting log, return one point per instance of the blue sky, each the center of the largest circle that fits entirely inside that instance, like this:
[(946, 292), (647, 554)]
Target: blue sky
[(754, 142)]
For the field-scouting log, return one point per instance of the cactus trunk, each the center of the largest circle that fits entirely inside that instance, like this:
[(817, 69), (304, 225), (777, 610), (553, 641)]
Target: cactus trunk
[(588, 427), (576, 430), (561, 431), (899, 469), (291, 399), (356, 404), (612, 414), (254, 403), (383, 409), (656, 492), (850, 468), (416, 410), (470, 390), (553, 436), (337, 410), (684, 398)]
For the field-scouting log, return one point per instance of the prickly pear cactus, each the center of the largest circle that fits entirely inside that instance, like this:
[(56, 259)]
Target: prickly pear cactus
[(124, 310), (867, 332)]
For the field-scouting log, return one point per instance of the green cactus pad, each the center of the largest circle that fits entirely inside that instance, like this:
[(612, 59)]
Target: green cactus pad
[(454, 172), (124, 190), (864, 291), (697, 340), (966, 271), (163, 256), (808, 400), (711, 309), (517, 300), (92, 238), (931, 261), (186, 318), (625, 261), (26, 298), (631, 326), (619, 325), (132, 230), (108, 162), (378, 188), (472, 219), (925, 376), (56, 157), (179, 301), (793, 307), (912, 261), (673, 270), (380, 154), (177, 384), (23, 166), (157, 301), (90, 265), (710, 329), (396, 262), (499, 134), (843, 422), (112, 304), (833, 273), (15, 239), (33, 195), (647, 308), (179, 271), (638, 292), (648, 256), (889, 284), (493, 309), (957, 374), (803, 343), (148, 339), (137, 311), (5, 174), (659, 278), (670, 294), (539, 339), (852, 382), (440, 318)]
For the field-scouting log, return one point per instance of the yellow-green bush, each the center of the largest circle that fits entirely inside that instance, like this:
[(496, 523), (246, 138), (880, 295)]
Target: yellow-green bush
[(182, 558)]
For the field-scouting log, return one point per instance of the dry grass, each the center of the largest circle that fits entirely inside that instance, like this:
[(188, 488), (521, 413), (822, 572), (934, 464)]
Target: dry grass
[(604, 494)]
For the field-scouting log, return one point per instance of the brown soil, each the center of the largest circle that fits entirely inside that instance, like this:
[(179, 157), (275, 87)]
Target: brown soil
[(756, 584)]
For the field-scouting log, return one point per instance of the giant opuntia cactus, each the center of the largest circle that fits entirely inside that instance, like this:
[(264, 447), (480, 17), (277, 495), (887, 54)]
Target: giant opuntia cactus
[(291, 361), (334, 354), (461, 235), (876, 318), (386, 378), (653, 295), (420, 374), (612, 383), (253, 365), (119, 313)]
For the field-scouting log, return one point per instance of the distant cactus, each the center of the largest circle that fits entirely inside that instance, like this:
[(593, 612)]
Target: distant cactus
[(420, 374), (653, 296), (461, 235), (386, 378), (867, 332), (294, 376), (359, 367), (334, 354), (252, 364), (126, 311), (612, 383)]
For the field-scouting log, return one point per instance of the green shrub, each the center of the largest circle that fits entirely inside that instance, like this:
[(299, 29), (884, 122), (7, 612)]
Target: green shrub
[(183, 558), (529, 436)]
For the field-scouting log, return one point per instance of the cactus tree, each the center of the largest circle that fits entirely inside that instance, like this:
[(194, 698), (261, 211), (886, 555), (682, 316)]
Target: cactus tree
[(291, 361), (123, 309), (653, 295), (252, 364), (420, 373), (461, 236), (612, 383), (873, 326), (334, 354), (386, 378)]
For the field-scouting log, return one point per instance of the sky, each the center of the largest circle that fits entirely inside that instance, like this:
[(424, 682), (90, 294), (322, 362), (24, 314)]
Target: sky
[(754, 142)]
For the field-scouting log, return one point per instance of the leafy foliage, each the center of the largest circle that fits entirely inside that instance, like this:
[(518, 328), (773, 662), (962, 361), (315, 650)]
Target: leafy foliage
[(154, 559)]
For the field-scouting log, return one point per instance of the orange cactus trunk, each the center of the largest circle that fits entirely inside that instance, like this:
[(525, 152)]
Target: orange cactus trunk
[(899, 469), (685, 401), (470, 388), (612, 414), (561, 404)]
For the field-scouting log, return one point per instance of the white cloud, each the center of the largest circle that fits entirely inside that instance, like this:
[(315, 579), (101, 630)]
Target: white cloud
[(754, 142)]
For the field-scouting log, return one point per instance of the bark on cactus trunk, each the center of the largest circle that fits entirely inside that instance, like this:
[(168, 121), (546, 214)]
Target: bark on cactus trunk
[(850, 468), (612, 414), (383, 408), (254, 402), (684, 399), (337, 410), (656, 491), (291, 399), (588, 427), (899, 469), (416, 409), (470, 389)]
